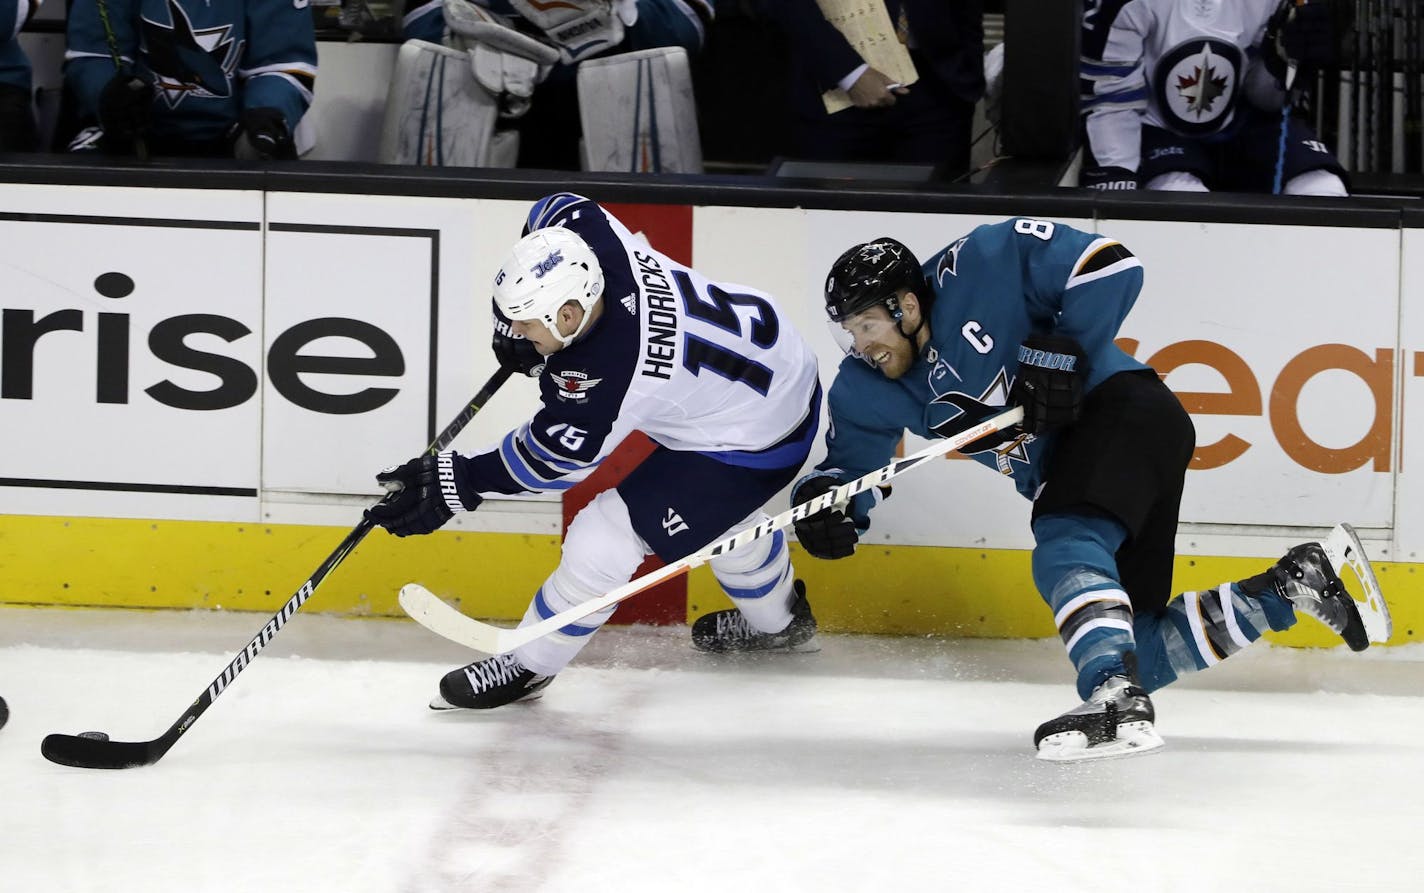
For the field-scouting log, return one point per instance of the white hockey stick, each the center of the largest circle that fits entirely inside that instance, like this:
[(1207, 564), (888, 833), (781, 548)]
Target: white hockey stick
[(440, 618), (1343, 549)]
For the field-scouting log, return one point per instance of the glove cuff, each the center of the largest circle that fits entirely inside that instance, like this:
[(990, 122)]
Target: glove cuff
[(451, 472), (812, 485)]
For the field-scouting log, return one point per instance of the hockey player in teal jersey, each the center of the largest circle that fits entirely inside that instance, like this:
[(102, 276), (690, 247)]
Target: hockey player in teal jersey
[(225, 78), (1025, 312)]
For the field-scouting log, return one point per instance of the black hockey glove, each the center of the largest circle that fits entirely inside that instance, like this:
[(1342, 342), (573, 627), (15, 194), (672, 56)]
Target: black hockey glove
[(125, 110), (1049, 384), (828, 533), (1107, 178), (1300, 32), (515, 351), (262, 136), (425, 493)]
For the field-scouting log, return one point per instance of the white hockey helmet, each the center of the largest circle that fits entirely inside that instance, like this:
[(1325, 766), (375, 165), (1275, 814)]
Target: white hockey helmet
[(544, 271)]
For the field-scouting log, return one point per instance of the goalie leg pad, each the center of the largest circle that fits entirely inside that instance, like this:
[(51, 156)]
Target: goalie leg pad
[(639, 114), (436, 113)]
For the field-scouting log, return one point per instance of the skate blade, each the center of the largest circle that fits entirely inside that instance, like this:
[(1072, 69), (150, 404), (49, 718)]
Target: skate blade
[(1072, 747), (1343, 549), (810, 646), (439, 703)]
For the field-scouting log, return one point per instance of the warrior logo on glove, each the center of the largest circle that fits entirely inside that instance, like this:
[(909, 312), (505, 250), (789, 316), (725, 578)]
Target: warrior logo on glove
[(1049, 385), (425, 492)]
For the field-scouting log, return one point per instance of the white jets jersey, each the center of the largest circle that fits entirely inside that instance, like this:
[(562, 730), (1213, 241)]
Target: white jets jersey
[(696, 365), (1181, 65)]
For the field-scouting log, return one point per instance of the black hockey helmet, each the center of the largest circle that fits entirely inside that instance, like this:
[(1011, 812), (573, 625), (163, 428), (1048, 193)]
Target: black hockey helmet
[(873, 273)]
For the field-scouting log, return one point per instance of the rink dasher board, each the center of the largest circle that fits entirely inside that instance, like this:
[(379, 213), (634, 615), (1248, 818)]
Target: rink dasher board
[(282, 415)]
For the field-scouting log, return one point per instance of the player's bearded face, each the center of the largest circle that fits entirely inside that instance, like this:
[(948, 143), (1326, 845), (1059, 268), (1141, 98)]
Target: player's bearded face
[(879, 342)]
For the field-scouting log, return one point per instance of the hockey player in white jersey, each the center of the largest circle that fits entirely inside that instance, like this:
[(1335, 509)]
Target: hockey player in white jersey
[(1188, 95), (628, 339)]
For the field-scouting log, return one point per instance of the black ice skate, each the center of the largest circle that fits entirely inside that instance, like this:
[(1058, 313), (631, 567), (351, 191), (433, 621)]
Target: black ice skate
[(1307, 579), (492, 682), (1116, 720), (728, 631)]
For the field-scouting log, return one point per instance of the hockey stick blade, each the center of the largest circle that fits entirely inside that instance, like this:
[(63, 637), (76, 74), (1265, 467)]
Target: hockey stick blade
[(1343, 549), (99, 753), (430, 611), (94, 753)]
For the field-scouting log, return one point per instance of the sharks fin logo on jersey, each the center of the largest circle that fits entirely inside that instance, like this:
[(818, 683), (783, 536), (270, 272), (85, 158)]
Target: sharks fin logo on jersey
[(1196, 85), (966, 411), (574, 385), (949, 261), (188, 62)]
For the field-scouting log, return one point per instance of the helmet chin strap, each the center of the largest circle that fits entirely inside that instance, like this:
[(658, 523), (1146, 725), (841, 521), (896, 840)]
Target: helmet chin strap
[(910, 336), (899, 315), (552, 324)]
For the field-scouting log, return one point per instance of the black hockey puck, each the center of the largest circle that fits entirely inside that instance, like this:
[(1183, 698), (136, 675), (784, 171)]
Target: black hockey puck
[(97, 736)]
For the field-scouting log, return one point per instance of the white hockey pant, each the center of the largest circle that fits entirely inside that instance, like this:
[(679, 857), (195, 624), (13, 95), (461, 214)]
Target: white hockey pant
[(602, 552), (757, 578)]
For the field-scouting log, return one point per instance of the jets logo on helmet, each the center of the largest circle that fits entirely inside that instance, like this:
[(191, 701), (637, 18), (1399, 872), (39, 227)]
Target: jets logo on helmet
[(547, 264), (544, 271)]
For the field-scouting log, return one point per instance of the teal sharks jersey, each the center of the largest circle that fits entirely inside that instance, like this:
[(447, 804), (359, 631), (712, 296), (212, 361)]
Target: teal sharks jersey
[(992, 289), (207, 61)]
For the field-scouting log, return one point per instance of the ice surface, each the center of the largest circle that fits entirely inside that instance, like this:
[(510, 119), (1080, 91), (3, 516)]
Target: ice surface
[(876, 764)]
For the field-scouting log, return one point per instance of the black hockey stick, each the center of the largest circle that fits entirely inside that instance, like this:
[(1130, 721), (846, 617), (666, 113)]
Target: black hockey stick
[(139, 143), (95, 751)]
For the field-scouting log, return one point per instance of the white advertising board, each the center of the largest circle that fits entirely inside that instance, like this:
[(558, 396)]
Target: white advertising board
[(1284, 353), (1409, 474), (132, 352), (378, 333)]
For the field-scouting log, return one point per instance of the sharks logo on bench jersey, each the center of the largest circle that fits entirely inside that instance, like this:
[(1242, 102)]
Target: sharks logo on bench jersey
[(188, 61)]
